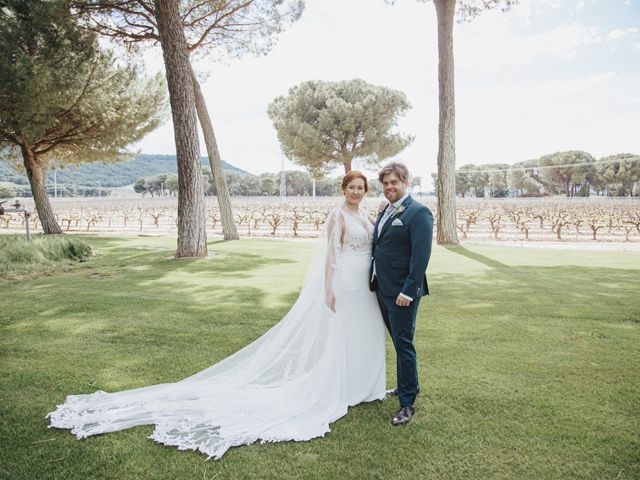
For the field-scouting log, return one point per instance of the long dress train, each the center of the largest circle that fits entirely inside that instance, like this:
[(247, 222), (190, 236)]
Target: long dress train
[(289, 384)]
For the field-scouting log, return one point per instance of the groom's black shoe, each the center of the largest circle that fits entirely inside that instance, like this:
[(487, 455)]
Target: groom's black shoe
[(403, 416)]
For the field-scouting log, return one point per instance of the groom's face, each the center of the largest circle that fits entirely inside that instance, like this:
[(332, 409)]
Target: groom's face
[(394, 188)]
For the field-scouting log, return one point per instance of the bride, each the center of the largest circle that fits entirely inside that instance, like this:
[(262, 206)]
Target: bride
[(326, 354)]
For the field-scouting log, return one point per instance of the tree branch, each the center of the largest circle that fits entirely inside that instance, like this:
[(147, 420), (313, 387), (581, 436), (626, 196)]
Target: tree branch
[(216, 23), (82, 93), (193, 9)]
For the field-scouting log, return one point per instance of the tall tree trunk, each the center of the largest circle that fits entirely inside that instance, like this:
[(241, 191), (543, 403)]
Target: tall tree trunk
[(37, 175), (222, 191), (192, 235), (347, 163), (446, 228), (346, 156)]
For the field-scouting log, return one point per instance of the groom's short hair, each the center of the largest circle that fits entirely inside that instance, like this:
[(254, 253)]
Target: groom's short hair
[(398, 168)]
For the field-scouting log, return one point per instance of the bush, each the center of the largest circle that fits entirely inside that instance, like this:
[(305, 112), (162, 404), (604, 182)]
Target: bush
[(7, 191), (534, 195), (43, 254)]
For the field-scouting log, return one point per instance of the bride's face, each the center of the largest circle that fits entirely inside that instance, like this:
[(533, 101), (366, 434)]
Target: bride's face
[(354, 192)]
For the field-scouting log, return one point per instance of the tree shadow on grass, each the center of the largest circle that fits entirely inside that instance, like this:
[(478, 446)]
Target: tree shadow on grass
[(562, 292), (488, 261), (130, 313)]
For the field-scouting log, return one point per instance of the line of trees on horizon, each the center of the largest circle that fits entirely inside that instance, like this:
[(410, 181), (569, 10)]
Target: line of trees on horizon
[(62, 190), (573, 174), (298, 183)]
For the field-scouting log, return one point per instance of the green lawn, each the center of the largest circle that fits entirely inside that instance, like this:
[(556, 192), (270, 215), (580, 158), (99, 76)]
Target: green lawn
[(529, 362)]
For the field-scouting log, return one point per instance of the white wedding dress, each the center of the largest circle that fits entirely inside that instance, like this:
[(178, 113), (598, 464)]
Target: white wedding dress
[(289, 384)]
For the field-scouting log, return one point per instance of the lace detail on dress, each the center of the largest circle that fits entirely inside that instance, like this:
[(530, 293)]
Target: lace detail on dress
[(357, 236), (350, 233)]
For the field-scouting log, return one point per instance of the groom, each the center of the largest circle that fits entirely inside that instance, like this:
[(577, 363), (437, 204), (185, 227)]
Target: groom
[(401, 250)]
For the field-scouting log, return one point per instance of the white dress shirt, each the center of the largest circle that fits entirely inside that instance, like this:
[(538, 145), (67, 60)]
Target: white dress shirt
[(391, 209)]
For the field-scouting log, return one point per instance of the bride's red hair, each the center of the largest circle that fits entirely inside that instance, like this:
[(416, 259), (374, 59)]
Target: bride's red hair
[(351, 176)]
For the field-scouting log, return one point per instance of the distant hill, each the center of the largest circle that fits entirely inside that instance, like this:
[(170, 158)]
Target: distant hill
[(110, 175)]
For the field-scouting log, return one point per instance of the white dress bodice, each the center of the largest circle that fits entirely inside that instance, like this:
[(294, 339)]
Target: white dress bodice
[(351, 233)]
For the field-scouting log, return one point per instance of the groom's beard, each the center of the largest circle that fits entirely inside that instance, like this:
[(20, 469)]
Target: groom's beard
[(393, 197)]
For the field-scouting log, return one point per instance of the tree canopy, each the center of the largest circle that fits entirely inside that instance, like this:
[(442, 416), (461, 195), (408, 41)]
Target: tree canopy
[(567, 171), (92, 117), (324, 124), (63, 98), (221, 29), (619, 174), (523, 177)]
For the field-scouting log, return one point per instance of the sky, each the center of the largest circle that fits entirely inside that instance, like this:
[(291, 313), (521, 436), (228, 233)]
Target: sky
[(546, 76)]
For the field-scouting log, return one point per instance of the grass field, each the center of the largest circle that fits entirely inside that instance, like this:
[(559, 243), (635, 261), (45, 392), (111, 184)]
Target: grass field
[(528, 359)]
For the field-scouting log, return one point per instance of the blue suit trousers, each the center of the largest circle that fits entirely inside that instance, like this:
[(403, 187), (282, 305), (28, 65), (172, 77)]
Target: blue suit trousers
[(401, 324)]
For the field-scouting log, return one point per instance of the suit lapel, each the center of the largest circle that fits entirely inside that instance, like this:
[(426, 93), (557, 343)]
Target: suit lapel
[(407, 201), (375, 230)]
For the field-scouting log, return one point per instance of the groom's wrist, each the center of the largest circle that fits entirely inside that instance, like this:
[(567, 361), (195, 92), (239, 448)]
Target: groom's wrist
[(406, 297)]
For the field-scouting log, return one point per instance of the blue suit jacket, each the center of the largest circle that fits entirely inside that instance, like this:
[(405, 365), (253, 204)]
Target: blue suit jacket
[(401, 252)]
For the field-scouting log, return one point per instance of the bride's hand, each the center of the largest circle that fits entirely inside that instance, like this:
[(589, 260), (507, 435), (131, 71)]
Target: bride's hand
[(382, 206), (331, 300)]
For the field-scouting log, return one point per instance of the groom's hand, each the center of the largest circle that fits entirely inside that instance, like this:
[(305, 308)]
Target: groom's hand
[(402, 302)]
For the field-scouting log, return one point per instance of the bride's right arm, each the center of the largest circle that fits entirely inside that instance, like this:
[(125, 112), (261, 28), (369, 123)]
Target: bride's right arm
[(333, 236)]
